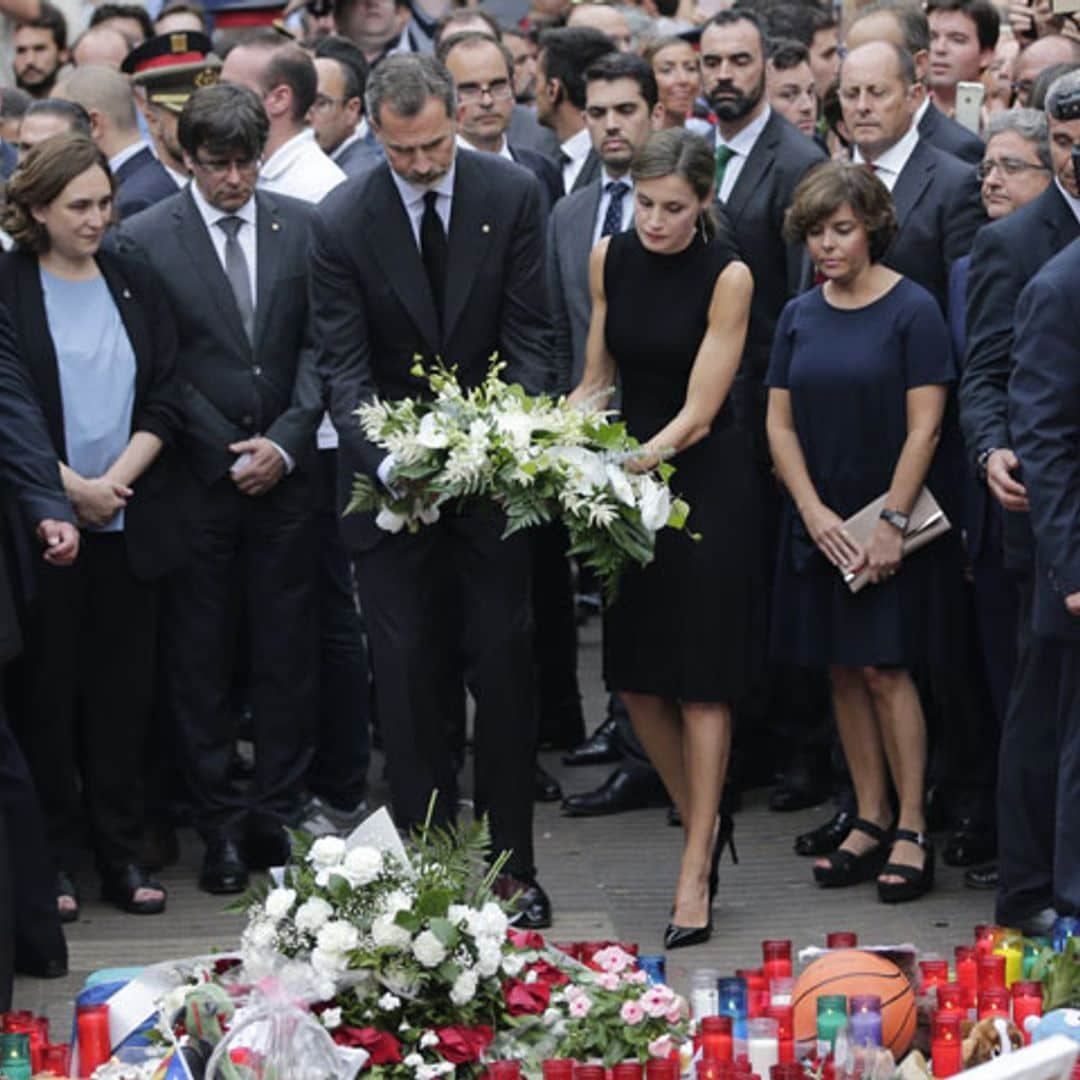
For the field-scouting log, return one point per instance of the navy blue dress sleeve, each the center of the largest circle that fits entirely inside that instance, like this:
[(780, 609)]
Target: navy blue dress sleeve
[(783, 347), (928, 356)]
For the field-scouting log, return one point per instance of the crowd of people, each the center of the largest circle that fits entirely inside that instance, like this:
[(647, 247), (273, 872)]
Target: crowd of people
[(825, 270)]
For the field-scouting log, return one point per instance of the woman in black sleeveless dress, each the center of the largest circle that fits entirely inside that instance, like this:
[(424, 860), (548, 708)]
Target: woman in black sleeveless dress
[(685, 636)]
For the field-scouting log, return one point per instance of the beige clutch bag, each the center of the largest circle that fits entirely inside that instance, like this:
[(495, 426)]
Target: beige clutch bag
[(927, 521)]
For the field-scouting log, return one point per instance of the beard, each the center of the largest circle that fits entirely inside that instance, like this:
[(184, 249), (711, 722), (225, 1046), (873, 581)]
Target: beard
[(42, 87), (735, 104)]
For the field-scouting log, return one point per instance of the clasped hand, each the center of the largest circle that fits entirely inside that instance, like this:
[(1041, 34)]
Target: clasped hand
[(881, 558), (99, 500), (265, 468)]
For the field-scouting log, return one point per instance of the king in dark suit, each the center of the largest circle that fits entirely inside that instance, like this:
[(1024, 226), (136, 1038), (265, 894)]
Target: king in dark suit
[(234, 267), (438, 253)]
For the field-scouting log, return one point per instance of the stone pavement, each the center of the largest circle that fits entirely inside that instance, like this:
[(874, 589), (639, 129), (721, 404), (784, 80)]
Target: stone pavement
[(608, 877)]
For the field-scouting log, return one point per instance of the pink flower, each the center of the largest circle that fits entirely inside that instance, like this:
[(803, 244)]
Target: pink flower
[(608, 981), (613, 959), (674, 1014), (660, 1048), (632, 1013), (580, 1006), (657, 1000), (639, 978)]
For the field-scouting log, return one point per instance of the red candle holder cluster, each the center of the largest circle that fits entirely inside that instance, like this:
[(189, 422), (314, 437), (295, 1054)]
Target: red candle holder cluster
[(45, 1056)]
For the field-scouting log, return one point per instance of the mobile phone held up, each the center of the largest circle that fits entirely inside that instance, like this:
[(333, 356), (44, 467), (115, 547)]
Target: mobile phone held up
[(969, 99)]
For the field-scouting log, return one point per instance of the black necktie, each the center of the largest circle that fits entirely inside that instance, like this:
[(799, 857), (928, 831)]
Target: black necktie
[(433, 250)]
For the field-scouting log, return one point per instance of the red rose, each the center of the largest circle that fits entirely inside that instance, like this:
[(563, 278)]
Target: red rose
[(525, 999), (460, 1045), (548, 974), (224, 964), (381, 1045), (525, 939)]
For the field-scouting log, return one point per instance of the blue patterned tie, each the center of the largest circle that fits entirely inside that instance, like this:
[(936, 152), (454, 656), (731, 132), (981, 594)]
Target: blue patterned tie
[(613, 218)]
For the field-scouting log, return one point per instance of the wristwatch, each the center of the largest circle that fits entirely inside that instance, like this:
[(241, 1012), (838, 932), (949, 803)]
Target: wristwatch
[(895, 518), (983, 460)]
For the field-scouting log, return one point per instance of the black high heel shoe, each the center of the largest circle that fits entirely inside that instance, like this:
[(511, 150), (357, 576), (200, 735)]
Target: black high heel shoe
[(916, 882), (679, 937)]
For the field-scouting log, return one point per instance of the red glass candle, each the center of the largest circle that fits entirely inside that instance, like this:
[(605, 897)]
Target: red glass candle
[(787, 1070), (994, 1001), (967, 968), (757, 991), (951, 997), (588, 1072), (558, 1069), (95, 1045), (716, 1044), (777, 959), (991, 972), (56, 1059), (945, 1044), (1027, 1000), (842, 939), (712, 1070), (784, 1015), (39, 1039), (657, 1069), (18, 1022), (935, 973), (985, 938), (627, 1070), (504, 1070)]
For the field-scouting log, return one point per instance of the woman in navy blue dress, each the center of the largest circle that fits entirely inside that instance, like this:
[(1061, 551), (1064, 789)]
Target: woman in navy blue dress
[(858, 384)]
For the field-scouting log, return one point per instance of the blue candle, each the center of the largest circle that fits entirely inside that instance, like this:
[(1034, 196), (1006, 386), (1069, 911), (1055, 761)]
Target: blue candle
[(732, 993), (865, 1020)]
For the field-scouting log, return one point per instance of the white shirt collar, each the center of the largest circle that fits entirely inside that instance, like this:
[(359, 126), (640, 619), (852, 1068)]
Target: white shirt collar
[(743, 142), (411, 194), (896, 157), (286, 154), (1072, 201), (920, 112), (577, 147), (464, 144), (345, 144), (212, 215), (125, 155), (606, 178)]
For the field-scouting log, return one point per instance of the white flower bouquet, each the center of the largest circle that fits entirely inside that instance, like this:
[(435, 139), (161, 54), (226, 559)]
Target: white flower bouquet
[(538, 458)]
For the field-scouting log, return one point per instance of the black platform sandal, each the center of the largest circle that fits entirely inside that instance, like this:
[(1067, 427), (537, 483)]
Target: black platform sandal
[(917, 882), (121, 886), (847, 868)]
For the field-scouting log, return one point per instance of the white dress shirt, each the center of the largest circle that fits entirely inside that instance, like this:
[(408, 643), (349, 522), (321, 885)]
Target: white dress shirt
[(742, 144), (890, 165), (300, 169), (503, 151), (605, 202), (125, 155), (1072, 200), (248, 241), (576, 148), (413, 198)]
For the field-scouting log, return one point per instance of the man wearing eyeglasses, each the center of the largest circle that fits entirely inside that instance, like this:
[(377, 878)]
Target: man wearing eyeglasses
[(483, 74), (1007, 254), (233, 263)]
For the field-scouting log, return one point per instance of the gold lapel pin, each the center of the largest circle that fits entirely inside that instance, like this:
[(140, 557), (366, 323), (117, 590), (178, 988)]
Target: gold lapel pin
[(485, 227), (274, 226), (126, 294)]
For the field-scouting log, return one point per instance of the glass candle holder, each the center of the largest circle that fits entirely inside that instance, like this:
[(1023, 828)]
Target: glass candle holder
[(934, 973), (627, 1070), (780, 991), (716, 1038), (1027, 1001), (865, 1019), (504, 1070), (589, 1072), (704, 996), (558, 1069), (56, 1060), (831, 1017), (841, 939), (994, 1001), (945, 1044), (991, 972), (1065, 927), (655, 967), (732, 1002), (951, 997), (15, 1055), (712, 1070), (661, 1069), (776, 957), (967, 968), (763, 1044), (95, 1045), (757, 990), (985, 938)]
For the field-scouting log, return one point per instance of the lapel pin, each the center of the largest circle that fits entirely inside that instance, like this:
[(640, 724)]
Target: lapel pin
[(485, 227), (274, 226), (126, 294)]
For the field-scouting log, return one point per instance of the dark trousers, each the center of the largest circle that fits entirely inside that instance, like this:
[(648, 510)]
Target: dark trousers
[(86, 699), (338, 770), (257, 556), (1066, 839), (1028, 775), (448, 604), (30, 930)]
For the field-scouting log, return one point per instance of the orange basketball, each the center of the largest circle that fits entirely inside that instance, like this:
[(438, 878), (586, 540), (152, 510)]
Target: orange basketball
[(850, 972)]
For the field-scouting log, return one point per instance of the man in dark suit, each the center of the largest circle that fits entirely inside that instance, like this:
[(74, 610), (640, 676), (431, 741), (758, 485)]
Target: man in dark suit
[(107, 96), (339, 105), (483, 73), (936, 196), (1044, 422), (565, 55), (234, 265), (1007, 255), (760, 159), (31, 938), (905, 25), (438, 253)]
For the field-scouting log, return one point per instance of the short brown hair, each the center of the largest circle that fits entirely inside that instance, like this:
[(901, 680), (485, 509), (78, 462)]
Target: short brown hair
[(40, 178), (828, 187)]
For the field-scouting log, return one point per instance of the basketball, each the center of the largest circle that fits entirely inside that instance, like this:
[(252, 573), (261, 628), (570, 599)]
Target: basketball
[(851, 972)]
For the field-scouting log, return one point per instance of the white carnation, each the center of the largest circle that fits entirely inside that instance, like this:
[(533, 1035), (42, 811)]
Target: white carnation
[(458, 913), (464, 988), (279, 903), (489, 957), (331, 1018), (428, 949), (327, 852), (388, 1002), (312, 915), (413, 1061), (337, 937), (495, 922), (513, 963), (261, 935), (388, 935), (398, 900), (363, 865), (329, 963), (429, 1039)]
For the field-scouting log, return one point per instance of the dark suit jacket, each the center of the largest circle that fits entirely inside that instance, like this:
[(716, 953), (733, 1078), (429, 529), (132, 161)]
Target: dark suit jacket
[(154, 520), (9, 158), (939, 210), (358, 157), (30, 472), (1044, 418), (545, 171), (141, 182), (525, 130), (1005, 257), (373, 308), (232, 389), (780, 158), (944, 133), (590, 172)]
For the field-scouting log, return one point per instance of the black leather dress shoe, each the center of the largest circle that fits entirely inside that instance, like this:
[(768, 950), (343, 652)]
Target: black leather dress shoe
[(982, 877), (970, 843), (532, 906), (826, 838), (223, 869), (546, 787), (631, 786), (600, 748)]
